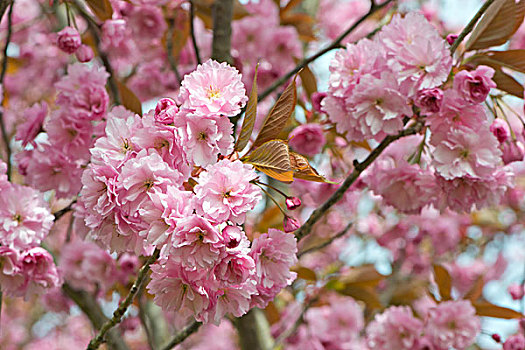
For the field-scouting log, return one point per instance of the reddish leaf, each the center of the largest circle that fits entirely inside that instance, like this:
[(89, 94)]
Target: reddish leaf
[(508, 84), (249, 117), (484, 308), (308, 81), (273, 159), (444, 281), (101, 8), (303, 170), (129, 99)]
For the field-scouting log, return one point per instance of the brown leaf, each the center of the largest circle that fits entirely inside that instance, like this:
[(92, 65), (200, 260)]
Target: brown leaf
[(278, 116), (484, 308), (181, 32), (476, 290), (366, 294), (308, 81), (508, 84), (129, 99), (495, 27), (272, 314), (290, 5), (305, 273), (249, 117), (364, 276), (101, 8), (444, 281), (519, 15), (273, 159), (513, 59), (303, 170)]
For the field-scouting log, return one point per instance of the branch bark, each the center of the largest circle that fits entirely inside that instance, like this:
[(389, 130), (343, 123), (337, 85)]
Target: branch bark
[(254, 331), (222, 12), (182, 335), (192, 32), (3, 130)]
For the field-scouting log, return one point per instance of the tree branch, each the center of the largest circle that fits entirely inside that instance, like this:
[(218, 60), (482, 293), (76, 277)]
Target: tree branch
[(5, 136), (290, 331), (334, 45), (327, 243), (123, 306), (192, 32), (182, 335), (222, 12), (87, 303), (354, 175), (169, 49), (470, 26), (254, 331)]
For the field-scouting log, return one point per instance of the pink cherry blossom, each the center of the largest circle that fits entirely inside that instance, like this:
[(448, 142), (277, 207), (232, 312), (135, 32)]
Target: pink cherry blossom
[(514, 342), (68, 40), (475, 86), (39, 270), (28, 131), (500, 128), (307, 139), (84, 53), (395, 328)]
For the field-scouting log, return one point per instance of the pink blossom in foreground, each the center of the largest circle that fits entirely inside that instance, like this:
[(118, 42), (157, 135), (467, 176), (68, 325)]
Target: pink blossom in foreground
[(474, 86), (453, 324), (39, 270), (429, 100), (68, 40), (307, 139), (213, 89), (84, 53), (395, 328), (225, 191), (500, 128)]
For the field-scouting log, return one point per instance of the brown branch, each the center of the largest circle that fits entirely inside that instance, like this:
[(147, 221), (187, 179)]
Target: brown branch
[(192, 32), (169, 49), (5, 136), (124, 305), (354, 175), (182, 335), (470, 26), (254, 331), (222, 12), (334, 45), (327, 243), (87, 303)]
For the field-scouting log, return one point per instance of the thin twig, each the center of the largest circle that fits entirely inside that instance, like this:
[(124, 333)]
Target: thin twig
[(169, 49), (290, 331), (354, 175), (335, 44), (63, 211), (192, 32), (5, 137), (327, 243), (182, 335), (470, 26), (123, 306)]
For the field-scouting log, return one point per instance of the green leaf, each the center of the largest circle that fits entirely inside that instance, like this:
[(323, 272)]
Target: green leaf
[(249, 117), (444, 281), (278, 116), (484, 308), (101, 8), (273, 159), (495, 27), (129, 99)]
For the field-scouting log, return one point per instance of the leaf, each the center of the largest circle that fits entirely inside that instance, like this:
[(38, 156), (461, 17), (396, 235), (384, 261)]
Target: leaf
[(101, 8), (272, 314), (495, 27), (365, 294), (484, 308), (249, 117), (476, 290), (308, 81), (303, 170), (273, 159), (508, 84), (444, 281), (278, 116), (513, 59), (364, 276), (129, 99), (290, 5), (181, 32), (305, 273), (519, 14)]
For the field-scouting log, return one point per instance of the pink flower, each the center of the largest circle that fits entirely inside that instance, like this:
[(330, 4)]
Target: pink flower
[(516, 291), (224, 191), (290, 224), (453, 324), (474, 86), (467, 152), (99, 191), (204, 138), (213, 89), (32, 126), (11, 278), (514, 342), (68, 40), (307, 139), (500, 128), (40, 272), (147, 22), (232, 299), (429, 100), (513, 151), (165, 111), (317, 97), (274, 254), (292, 203), (395, 328), (84, 54), (25, 219)]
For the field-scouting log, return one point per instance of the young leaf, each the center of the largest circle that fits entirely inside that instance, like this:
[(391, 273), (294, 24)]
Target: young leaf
[(444, 281), (129, 99), (305, 273), (278, 116), (273, 159), (508, 84), (513, 59), (308, 81), (303, 170), (249, 117), (101, 8), (476, 290), (495, 27), (484, 308)]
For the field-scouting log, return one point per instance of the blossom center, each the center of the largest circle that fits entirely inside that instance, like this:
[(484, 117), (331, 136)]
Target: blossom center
[(214, 93), (18, 218)]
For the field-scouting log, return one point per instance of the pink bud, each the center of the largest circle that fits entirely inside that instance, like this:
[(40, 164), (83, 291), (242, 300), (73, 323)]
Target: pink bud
[(290, 224), (500, 129), (293, 203), (451, 38), (513, 151), (317, 97), (496, 337), (232, 235), (84, 53), (165, 111), (429, 100), (516, 291), (68, 40)]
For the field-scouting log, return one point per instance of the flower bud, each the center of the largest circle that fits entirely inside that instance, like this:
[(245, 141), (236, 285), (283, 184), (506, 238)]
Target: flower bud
[(292, 203), (429, 100), (496, 337), (165, 111), (500, 129), (516, 291), (513, 151), (84, 53), (290, 224), (232, 236), (451, 38), (317, 97), (68, 40)]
